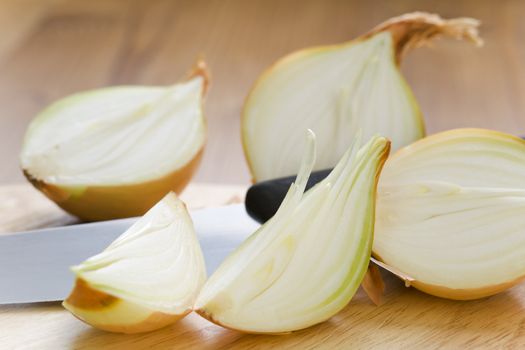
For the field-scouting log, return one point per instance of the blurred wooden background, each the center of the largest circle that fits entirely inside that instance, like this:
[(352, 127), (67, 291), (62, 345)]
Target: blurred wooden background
[(52, 48)]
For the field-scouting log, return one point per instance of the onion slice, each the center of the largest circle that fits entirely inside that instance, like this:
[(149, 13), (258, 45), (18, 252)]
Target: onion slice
[(305, 264), (115, 152), (147, 278), (451, 213), (337, 90)]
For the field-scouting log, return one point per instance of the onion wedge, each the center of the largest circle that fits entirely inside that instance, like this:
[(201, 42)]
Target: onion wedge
[(305, 264), (146, 279)]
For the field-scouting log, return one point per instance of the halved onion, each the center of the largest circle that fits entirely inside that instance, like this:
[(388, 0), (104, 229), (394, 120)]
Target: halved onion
[(305, 264), (335, 91), (115, 152), (451, 213), (147, 278)]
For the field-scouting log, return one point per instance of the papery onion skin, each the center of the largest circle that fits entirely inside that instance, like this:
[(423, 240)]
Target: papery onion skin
[(95, 203), (417, 29), (99, 202), (95, 307)]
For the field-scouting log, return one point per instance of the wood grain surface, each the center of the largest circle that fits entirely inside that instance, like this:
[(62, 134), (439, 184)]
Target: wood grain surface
[(408, 319), (51, 48)]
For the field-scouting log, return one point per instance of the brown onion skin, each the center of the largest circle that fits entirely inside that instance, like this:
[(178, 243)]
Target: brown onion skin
[(97, 203)]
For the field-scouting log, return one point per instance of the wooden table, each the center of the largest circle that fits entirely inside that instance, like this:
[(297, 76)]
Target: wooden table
[(408, 319)]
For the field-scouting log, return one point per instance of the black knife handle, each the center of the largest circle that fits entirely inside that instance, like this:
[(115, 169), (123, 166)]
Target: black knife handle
[(264, 198)]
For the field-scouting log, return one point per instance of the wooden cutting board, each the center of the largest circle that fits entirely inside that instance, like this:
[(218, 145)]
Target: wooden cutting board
[(408, 318)]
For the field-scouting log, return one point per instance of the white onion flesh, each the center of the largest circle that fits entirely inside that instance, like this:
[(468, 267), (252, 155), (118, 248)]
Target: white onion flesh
[(466, 157), (156, 264), (451, 212), (116, 136), (306, 263), (335, 91), (446, 235)]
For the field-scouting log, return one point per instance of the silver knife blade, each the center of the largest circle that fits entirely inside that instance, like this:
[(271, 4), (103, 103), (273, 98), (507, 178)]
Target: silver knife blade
[(34, 265)]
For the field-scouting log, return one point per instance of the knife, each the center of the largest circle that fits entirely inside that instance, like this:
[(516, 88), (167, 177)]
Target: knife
[(34, 265)]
